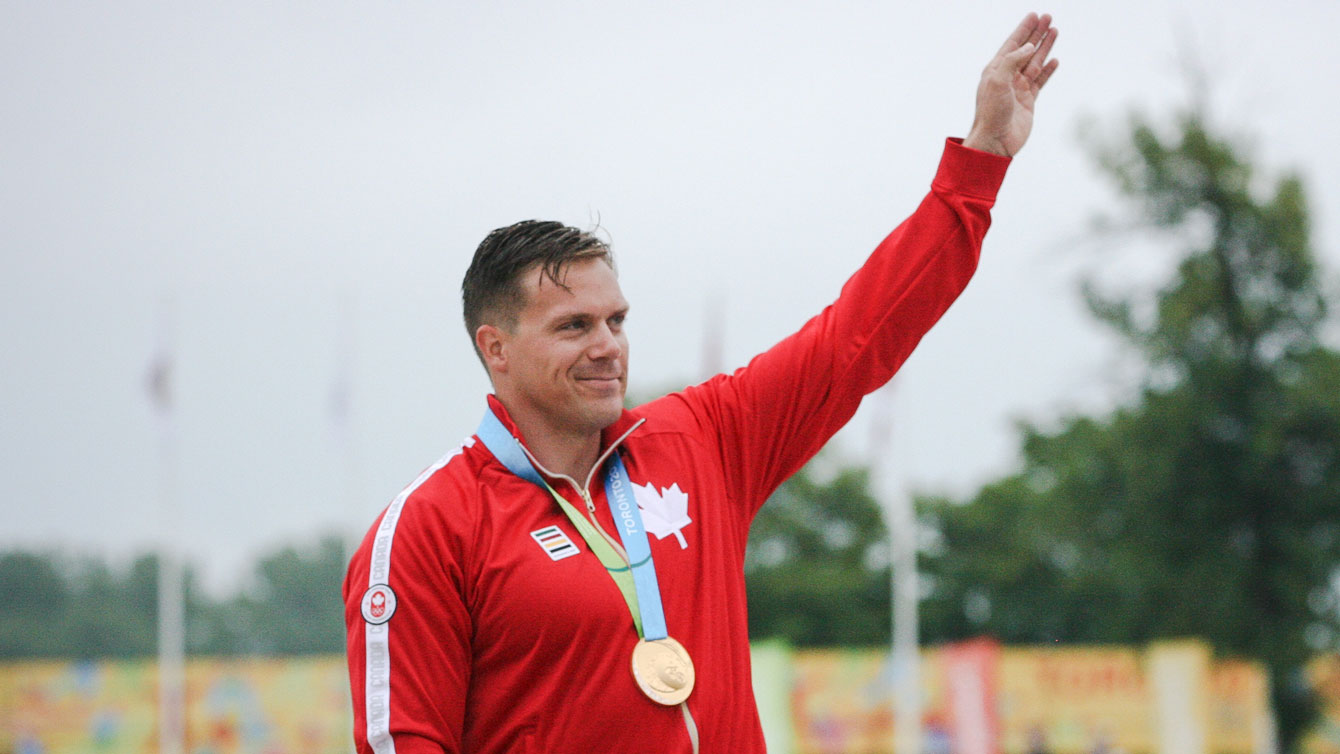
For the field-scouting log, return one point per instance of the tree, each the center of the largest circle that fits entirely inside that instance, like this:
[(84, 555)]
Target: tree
[(298, 608), (81, 608), (114, 615), (293, 607), (86, 609), (1208, 505), (37, 597), (816, 569)]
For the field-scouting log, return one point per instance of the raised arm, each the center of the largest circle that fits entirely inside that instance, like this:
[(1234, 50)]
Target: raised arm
[(1009, 88), (774, 414)]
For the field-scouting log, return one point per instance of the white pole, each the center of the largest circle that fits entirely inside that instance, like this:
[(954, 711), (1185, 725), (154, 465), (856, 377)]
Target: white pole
[(906, 653), (171, 655), (171, 591), (901, 520)]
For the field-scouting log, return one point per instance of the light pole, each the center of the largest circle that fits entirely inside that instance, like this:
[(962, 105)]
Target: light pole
[(905, 657)]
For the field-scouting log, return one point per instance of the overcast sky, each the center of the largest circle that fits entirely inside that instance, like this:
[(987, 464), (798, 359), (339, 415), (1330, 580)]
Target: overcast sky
[(301, 186)]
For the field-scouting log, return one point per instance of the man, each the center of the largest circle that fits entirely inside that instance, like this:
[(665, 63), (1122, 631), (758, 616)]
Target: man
[(571, 578)]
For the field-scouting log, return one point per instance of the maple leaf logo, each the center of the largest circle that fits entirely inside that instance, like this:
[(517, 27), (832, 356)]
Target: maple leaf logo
[(665, 512)]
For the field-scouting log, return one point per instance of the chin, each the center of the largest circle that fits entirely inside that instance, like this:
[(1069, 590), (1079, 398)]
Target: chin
[(607, 412)]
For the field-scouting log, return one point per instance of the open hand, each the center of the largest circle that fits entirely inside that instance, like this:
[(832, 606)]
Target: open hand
[(1009, 87)]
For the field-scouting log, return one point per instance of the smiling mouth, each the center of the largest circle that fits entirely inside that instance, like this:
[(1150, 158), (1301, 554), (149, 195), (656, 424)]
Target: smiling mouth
[(601, 381)]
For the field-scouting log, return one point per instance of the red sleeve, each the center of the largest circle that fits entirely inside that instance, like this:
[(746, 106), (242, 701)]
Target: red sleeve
[(409, 661), (774, 414)]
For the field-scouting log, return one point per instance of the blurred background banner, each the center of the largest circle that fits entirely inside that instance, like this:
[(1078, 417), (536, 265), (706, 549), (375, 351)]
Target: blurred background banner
[(1324, 676), (79, 706), (1062, 700), (1239, 705), (273, 705), (840, 700), (1067, 696)]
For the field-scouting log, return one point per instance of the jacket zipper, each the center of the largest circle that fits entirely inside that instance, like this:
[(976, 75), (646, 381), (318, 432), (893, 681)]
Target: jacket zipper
[(584, 489)]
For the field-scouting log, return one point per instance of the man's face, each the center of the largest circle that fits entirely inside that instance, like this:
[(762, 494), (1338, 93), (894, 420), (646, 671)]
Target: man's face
[(567, 359)]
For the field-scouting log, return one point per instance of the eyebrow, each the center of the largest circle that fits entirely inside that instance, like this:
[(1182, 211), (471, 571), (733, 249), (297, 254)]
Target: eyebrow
[(583, 316)]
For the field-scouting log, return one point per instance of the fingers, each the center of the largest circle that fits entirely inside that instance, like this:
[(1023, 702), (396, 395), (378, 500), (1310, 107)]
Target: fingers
[(1014, 62), (1039, 58), (1047, 72), (1040, 29), (1020, 35), (1033, 30)]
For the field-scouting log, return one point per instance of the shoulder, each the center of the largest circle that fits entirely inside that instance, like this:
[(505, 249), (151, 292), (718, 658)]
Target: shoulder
[(692, 414), (446, 480), (441, 498), (427, 528), (697, 409), (688, 406)]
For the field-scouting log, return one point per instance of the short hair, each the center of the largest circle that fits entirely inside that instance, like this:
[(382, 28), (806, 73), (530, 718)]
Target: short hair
[(491, 292)]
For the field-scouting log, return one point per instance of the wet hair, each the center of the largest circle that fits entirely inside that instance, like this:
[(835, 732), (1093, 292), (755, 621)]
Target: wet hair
[(492, 291)]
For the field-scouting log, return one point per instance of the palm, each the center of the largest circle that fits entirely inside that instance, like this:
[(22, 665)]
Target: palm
[(1020, 124)]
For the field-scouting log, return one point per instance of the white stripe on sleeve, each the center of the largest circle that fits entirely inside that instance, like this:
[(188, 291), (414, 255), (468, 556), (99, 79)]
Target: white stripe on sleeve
[(377, 681)]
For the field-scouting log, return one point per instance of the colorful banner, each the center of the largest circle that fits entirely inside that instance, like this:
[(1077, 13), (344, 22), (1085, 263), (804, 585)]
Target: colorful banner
[(1241, 721), (1324, 674), (1068, 700), (58, 707), (1054, 700), (290, 706), (840, 702), (274, 706)]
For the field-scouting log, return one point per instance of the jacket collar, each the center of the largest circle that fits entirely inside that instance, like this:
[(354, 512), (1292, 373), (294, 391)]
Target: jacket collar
[(626, 421)]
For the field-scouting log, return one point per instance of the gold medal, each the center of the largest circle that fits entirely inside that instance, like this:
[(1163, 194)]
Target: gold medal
[(663, 670)]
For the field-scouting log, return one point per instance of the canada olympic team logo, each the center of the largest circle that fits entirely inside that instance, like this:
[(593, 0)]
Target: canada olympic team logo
[(378, 604)]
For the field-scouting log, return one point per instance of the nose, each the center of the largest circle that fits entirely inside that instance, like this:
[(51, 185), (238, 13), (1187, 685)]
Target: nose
[(605, 343)]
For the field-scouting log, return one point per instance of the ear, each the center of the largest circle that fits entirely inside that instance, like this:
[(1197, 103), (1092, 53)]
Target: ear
[(492, 342)]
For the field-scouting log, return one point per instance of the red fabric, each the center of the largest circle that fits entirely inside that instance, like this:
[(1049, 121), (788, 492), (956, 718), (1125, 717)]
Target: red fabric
[(495, 647)]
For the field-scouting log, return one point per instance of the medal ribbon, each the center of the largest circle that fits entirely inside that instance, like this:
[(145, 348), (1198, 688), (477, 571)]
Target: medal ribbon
[(635, 577), (618, 494)]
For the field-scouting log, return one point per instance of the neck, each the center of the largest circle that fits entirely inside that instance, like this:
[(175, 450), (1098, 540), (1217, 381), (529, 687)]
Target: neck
[(560, 450), (569, 455)]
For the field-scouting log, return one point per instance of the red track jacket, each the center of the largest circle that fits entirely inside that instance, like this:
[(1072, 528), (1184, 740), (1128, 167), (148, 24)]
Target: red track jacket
[(479, 621)]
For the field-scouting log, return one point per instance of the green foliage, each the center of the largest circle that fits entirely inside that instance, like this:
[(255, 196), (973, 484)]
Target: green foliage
[(296, 607), (81, 609), (1210, 504), (87, 610), (38, 596), (812, 567), (1246, 298)]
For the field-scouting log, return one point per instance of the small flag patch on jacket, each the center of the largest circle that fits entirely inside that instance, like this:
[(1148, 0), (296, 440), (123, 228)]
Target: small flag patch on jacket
[(555, 542)]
